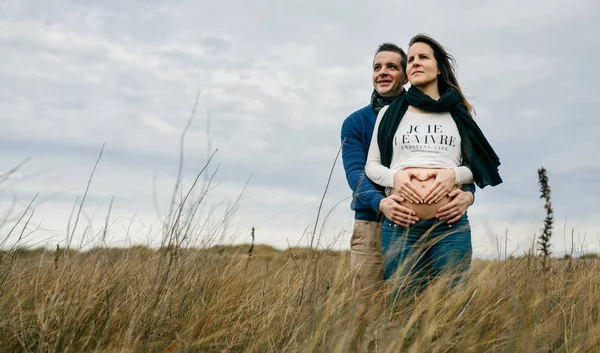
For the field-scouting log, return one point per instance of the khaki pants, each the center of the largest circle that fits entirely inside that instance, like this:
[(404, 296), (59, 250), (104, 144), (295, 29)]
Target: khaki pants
[(366, 262)]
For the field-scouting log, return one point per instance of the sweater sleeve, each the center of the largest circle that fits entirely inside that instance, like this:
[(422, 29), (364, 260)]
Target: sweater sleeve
[(354, 158), (463, 174), (374, 169)]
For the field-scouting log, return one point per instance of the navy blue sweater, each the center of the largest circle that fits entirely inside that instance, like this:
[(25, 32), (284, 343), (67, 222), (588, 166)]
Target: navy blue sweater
[(357, 131)]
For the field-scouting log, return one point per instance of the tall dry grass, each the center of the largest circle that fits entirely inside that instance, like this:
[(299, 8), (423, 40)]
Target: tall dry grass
[(219, 299), (191, 296)]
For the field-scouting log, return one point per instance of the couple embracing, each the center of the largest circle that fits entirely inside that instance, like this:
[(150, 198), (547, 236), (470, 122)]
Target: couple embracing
[(412, 159)]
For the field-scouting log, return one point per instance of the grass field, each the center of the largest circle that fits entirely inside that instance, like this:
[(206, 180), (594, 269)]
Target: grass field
[(219, 299)]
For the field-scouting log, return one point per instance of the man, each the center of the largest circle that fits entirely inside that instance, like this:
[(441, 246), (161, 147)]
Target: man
[(368, 200)]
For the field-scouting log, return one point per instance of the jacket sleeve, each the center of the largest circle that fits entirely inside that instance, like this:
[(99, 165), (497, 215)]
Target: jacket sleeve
[(469, 187), (354, 160)]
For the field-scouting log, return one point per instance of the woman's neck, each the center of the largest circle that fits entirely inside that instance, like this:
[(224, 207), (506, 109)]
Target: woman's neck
[(431, 89)]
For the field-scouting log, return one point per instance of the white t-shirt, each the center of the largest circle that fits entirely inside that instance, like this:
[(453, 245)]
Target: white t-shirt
[(423, 140)]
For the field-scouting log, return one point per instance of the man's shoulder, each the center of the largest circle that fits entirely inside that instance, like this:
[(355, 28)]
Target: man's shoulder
[(364, 111), (360, 114)]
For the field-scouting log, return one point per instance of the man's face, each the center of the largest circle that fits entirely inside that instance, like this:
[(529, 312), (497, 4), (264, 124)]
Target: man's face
[(388, 76)]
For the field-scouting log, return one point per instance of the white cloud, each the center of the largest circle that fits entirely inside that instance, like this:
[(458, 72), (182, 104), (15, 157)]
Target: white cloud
[(277, 79)]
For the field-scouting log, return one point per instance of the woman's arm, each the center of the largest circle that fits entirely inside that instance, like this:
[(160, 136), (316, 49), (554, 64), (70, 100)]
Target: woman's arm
[(384, 176), (377, 172), (463, 175)]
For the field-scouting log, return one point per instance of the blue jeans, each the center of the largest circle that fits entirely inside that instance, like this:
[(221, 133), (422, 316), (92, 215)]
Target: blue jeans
[(415, 255)]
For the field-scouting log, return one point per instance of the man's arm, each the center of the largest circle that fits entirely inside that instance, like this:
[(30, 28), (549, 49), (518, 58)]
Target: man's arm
[(461, 201), (354, 160), (469, 187)]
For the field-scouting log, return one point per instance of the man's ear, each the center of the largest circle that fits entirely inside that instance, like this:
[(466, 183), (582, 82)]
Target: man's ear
[(405, 81)]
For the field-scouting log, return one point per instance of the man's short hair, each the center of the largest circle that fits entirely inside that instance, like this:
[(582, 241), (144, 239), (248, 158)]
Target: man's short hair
[(396, 49)]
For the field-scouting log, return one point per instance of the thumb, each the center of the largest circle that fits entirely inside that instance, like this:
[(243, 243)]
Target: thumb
[(432, 173), (422, 175)]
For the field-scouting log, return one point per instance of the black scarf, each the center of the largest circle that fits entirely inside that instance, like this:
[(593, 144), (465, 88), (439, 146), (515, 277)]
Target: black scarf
[(476, 151), (378, 102)]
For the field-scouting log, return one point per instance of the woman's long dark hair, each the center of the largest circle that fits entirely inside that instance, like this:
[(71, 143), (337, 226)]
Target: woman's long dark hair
[(446, 65)]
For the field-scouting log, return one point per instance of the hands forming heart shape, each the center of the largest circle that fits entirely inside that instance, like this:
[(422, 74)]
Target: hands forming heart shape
[(422, 190)]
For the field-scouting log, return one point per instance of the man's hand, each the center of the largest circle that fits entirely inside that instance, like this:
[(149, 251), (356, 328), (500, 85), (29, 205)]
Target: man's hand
[(395, 212), (405, 187), (445, 180), (455, 209)]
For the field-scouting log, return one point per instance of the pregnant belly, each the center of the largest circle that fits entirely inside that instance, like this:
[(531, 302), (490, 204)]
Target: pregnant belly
[(425, 211)]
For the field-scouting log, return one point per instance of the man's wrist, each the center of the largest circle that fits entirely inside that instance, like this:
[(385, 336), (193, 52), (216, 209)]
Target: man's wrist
[(472, 197), (469, 188), (377, 202)]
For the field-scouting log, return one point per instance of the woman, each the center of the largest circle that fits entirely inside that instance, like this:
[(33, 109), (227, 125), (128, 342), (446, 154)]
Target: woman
[(426, 145)]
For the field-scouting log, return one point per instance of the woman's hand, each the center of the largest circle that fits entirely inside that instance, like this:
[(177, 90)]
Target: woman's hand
[(405, 187), (445, 180)]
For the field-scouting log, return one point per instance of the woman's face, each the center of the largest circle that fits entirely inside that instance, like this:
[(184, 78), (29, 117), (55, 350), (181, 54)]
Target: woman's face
[(422, 68)]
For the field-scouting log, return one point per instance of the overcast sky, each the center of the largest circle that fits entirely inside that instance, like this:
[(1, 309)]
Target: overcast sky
[(277, 79)]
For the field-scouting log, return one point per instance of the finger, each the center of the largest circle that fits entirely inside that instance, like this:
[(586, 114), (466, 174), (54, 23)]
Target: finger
[(456, 218), (454, 193), (447, 207), (401, 221), (431, 173), (401, 210), (451, 214), (440, 196), (396, 197), (410, 195), (410, 217), (448, 213), (407, 196), (423, 176), (434, 186), (414, 192), (406, 214), (434, 194), (420, 175)]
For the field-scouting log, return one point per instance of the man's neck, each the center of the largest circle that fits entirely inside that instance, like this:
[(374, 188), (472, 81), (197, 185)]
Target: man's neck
[(393, 95), (378, 101)]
